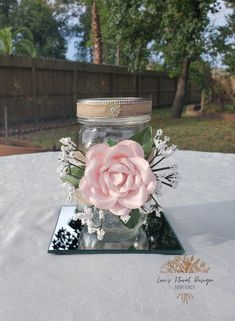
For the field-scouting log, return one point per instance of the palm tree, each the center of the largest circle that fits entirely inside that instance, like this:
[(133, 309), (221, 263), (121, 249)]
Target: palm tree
[(18, 42), (96, 35)]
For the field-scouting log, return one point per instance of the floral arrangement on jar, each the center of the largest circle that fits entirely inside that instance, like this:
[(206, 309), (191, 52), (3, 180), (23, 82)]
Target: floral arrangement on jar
[(121, 179)]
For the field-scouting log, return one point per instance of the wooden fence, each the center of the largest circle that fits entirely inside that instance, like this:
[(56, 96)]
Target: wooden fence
[(39, 89)]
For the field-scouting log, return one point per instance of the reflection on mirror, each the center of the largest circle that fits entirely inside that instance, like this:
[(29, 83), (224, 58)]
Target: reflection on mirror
[(155, 236)]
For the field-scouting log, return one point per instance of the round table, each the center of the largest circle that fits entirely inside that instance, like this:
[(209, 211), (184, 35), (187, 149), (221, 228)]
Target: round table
[(38, 286)]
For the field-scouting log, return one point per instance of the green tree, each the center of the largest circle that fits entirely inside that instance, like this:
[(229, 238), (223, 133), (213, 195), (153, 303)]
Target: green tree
[(175, 30), (225, 41), (82, 31), (89, 31), (6, 9), (128, 28), (40, 17), (173, 33), (184, 32), (121, 31), (16, 42), (75, 17)]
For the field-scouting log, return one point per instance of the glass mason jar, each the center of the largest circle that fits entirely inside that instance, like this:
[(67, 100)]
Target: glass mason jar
[(100, 120)]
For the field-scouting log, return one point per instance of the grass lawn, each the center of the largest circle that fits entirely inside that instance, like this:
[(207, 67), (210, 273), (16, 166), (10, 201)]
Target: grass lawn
[(211, 135)]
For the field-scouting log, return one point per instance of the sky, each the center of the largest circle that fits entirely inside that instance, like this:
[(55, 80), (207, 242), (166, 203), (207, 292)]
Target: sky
[(219, 19)]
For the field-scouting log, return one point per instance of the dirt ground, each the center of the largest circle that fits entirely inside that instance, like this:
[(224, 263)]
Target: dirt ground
[(14, 146), (17, 145)]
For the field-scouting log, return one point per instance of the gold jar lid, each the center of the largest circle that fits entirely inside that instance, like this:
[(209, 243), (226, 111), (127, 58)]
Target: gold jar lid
[(113, 107)]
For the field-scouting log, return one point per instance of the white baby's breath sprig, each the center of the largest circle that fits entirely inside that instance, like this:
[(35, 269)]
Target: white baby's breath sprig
[(68, 163), (166, 175), (71, 190), (67, 141), (67, 149), (90, 227), (62, 169), (158, 133), (100, 234), (151, 205), (101, 214), (87, 218), (161, 147), (77, 216), (125, 218), (158, 211)]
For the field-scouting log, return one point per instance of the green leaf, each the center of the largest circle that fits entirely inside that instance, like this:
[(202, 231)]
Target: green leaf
[(133, 220), (111, 142), (71, 179), (145, 139), (131, 247), (77, 171), (73, 176)]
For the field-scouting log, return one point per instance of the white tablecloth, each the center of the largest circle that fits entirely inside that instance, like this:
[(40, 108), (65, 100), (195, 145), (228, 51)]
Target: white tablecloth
[(37, 286)]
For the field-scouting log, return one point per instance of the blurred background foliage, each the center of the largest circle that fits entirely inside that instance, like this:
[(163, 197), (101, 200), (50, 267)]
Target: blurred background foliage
[(176, 36)]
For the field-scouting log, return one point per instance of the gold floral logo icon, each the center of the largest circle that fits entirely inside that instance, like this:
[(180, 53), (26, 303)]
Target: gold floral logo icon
[(185, 264), (185, 297)]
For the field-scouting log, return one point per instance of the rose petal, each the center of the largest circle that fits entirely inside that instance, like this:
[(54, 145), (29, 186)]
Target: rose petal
[(119, 168), (152, 185), (135, 198), (92, 172), (108, 164), (136, 148), (123, 194), (117, 178), (102, 184), (113, 190), (143, 167), (126, 162), (136, 182), (95, 151), (119, 210), (118, 151), (127, 185), (84, 189), (109, 183), (100, 200)]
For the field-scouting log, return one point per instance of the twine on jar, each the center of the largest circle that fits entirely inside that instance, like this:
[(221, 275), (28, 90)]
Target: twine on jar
[(113, 107)]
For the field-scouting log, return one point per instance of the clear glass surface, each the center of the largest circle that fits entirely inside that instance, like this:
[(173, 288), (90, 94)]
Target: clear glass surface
[(117, 236), (98, 130)]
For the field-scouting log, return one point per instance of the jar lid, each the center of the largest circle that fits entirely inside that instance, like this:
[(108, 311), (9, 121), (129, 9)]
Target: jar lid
[(113, 107)]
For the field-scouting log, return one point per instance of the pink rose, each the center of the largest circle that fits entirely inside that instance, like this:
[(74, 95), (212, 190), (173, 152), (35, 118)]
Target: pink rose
[(117, 178)]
